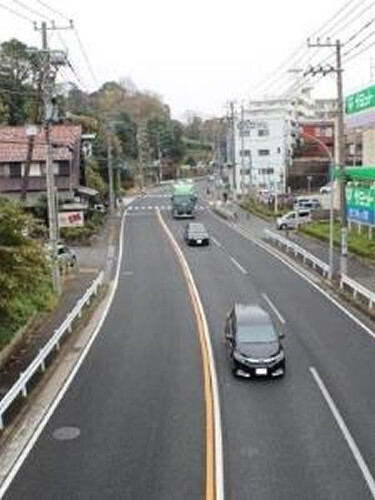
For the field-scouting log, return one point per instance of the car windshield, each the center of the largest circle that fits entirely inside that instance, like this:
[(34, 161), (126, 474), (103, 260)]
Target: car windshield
[(197, 229), (258, 333)]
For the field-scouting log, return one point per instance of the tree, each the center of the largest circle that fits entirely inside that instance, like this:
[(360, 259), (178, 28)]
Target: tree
[(94, 179), (24, 272), (20, 83)]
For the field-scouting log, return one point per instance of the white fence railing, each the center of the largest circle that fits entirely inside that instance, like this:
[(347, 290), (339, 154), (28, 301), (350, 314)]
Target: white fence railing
[(357, 289), (298, 251), (39, 363)]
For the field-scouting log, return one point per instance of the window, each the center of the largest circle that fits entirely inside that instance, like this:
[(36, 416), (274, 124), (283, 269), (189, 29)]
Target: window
[(245, 152), (64, 169), (15, 170), (263, 132), (329, 132), (34, 170), (263, 152), (4, 170), (279, 150)]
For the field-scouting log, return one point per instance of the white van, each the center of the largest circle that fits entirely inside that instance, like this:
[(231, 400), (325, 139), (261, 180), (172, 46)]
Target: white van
[(292, 219)]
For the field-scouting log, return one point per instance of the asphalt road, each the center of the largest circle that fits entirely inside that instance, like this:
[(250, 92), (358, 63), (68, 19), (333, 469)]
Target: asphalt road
[(281, 440), (138, 400)]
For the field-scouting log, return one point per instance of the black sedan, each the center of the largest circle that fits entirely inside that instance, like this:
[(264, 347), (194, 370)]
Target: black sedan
[(255, 346), (196, 234)]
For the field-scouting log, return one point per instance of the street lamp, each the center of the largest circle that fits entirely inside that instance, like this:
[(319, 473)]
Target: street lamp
[(331, 214)]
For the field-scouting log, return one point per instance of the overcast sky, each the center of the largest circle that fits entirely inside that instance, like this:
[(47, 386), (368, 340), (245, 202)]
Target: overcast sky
[(196, 54)]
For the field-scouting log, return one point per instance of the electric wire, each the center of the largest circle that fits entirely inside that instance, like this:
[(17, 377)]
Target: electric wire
[(85, 56), (18, 14), (273, 78), (30, 9), (54, 10)]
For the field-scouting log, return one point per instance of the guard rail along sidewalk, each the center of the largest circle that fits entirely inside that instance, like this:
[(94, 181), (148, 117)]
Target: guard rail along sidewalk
[(298, 251), (357, 289), (359, 292), (39, 363)]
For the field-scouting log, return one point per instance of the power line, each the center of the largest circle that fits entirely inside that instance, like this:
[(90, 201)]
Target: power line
[(351, 20), (293, 60), (360, 52), (84, 53), (54, 10), (359, 44), (29, 9), (18, 14)]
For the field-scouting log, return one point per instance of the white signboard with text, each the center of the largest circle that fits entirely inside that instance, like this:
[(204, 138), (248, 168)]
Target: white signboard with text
[(71, 219)]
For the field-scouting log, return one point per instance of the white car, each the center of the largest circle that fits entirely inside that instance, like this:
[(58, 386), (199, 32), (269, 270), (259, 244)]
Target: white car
[(293, 219)]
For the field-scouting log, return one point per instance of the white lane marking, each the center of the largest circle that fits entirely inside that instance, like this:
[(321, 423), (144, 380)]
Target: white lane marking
[(216, 242), (263, 246), (274, 308), (238, 265), (150, 207), (136, 208), (345, 431), (130, 208), (128, 273), (219, 462), (43, 422)]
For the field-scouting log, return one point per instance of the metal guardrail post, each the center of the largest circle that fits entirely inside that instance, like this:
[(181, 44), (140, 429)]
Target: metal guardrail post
[(39, 362)]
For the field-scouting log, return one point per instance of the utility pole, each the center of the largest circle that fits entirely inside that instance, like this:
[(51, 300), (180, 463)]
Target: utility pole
[(51, 60), (110, 173), (233, 149), (242, 152), (50, 180), (339, 139)]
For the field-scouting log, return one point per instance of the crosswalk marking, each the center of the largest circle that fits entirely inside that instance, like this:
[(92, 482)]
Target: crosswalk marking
[(155, 207)]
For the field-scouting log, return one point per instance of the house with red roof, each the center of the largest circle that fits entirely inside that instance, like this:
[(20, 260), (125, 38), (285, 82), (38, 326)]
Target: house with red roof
[(15, 149)]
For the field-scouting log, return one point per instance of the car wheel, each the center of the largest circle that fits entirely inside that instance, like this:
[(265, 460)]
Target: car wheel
[(283, 226)]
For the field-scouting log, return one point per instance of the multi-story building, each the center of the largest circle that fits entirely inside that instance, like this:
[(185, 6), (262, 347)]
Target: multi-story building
[(265, 133)]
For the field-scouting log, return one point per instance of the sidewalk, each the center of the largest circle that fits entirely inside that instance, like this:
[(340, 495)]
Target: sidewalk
[(90, 260)]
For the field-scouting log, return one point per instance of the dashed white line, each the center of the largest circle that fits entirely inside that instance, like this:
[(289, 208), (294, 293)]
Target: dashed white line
[(217, 243), (274, 308), (238, 265), (345, 432)]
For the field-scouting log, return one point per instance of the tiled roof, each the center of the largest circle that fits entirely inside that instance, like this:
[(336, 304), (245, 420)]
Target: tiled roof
[(13, 143)]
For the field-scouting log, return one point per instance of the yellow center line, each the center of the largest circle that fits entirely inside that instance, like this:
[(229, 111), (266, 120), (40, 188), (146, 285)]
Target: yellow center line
[(207, 377)]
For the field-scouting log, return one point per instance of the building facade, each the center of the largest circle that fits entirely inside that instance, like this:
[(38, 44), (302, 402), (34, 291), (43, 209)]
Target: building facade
[(14, 150), (264, 136)]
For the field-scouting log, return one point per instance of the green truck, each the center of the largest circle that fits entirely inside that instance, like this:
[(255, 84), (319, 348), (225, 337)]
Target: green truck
[(184, 198)]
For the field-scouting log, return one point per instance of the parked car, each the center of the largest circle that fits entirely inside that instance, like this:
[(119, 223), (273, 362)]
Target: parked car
[(254, 342), (196, 234), (66, 256), (326, 189), (293, 218), (302, 202)]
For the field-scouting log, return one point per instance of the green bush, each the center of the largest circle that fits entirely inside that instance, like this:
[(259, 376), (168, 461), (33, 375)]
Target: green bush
[(77, 234), (359, 244)]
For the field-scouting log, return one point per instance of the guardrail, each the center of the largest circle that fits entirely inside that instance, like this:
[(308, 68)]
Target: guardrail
[(357, 289), (298, 251), (39, 363)]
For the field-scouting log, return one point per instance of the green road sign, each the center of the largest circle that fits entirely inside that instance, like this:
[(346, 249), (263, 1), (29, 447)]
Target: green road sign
[(360, 101)]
